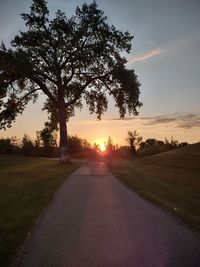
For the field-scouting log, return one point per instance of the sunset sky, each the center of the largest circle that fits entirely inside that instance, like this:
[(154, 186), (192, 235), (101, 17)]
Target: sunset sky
[(165, 55)]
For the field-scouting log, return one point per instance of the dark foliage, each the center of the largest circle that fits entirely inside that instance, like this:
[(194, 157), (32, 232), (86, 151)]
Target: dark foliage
[(133, 139), (153, 146), (9, 145)]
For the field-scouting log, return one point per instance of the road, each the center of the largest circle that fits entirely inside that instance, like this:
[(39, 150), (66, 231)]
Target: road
[(95, 221)]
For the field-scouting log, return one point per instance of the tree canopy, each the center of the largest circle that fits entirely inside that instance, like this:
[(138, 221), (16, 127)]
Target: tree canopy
[(69, 60)]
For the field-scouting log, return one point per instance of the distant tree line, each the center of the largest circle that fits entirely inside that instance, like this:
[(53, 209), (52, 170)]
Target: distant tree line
[(45, 145), (153, 146), (139, 148)]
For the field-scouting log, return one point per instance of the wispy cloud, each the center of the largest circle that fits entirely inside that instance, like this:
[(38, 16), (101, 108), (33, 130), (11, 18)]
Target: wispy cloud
[(147, 55), (179, 120), (125, 119), (186, 121)]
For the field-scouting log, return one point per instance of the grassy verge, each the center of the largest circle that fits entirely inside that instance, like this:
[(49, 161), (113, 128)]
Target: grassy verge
[(171, 180), (26, 187)]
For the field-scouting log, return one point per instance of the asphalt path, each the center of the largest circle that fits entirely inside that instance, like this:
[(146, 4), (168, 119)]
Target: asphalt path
[(95, 221)]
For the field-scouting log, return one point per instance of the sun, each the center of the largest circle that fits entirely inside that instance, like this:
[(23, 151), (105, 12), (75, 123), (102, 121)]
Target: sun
[(102, 147)]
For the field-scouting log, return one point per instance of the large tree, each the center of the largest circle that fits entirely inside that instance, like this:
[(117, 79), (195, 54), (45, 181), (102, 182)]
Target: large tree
[(69, 60)]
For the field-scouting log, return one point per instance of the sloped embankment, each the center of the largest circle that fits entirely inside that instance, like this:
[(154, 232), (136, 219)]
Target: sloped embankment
[(170, 179)]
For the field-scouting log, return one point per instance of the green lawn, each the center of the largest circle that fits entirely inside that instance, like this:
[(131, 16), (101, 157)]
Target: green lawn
[(26, 187), (170, 179)]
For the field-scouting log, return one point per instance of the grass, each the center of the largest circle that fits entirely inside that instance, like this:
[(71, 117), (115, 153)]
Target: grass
[(170, 179), (26, 187)]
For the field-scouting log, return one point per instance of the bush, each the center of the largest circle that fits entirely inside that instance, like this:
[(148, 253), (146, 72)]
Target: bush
[(9, 146)]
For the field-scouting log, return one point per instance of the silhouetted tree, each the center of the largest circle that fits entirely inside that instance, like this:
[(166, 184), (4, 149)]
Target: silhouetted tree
[(75, 144), (27, 145), (172, 143), (96, 147), (47, 138), (182, 144), (68, 60), (110, 146), (86, 145), (8, 145), (134, 140)]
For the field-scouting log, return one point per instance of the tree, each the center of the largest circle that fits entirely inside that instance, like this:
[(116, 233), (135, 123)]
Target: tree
[(27, 145), (68, 60), (133, 139), (47, 137), (152, 142), (75, 144), (9, 145), (173, 143), (110, 146)]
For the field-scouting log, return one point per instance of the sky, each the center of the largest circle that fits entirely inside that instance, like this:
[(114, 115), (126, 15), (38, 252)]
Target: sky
[(165, 55)]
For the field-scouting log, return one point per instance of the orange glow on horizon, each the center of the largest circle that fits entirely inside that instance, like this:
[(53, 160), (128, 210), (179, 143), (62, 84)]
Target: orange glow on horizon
[(102, 147)]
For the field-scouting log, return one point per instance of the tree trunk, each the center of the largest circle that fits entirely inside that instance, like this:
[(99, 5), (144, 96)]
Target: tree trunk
[(64, 151)]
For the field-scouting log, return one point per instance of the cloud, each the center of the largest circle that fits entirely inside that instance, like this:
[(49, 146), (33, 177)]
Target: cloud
[(191, 121), (147, 55), (158, 119), (190, 125), (125, 119), (179, 120), (186, 121)]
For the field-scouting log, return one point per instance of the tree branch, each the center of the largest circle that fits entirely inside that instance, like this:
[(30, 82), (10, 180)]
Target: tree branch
[(44, 89), (44, 75), (72, 74), (73, 101), (29, 93), (109, 89)]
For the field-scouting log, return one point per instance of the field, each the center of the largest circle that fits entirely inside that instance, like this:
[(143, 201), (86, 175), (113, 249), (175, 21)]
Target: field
[(170, 179), (26, 187)]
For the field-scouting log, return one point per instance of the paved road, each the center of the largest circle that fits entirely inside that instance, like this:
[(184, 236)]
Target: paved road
[(95, 221)]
